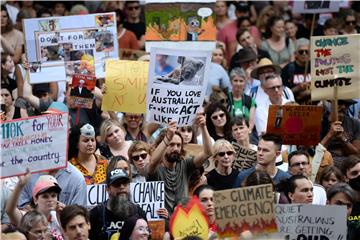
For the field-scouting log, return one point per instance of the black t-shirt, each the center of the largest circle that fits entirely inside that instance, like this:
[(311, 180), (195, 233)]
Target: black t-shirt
[(137, 28), (305, 32), (220, 182), (293, 74), (354, 222), (104, 223)]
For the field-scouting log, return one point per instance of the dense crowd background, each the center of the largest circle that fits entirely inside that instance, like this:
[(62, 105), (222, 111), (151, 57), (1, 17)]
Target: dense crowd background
[(261, 58)]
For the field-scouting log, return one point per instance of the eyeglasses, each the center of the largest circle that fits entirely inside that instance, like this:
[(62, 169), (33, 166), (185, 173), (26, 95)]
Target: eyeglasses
[(143, 229), (215, 117), (133, 8), (137, 157), (224, 100), (132, 117), (274, 88), (229, 153), (299, 163), (303, 52), (351, 22)]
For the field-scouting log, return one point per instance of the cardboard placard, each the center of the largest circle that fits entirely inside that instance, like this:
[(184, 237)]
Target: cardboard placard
[(296, 125), (245, 209), (157, 229), (317, 6), (334, 63), (176, 85), (125, 86), (311, 221), (150, 196), (34, 143), (58, 47), (244, 158)]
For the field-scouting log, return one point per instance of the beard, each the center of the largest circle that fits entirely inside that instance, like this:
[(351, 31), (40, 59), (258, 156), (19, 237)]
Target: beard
[(173, 157), (120, 205)]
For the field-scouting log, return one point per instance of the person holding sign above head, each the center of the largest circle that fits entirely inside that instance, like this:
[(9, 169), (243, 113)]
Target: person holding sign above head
[(75, 221), (107, 219), (223, 176), (82, 146), (268, 149), (175, 170)]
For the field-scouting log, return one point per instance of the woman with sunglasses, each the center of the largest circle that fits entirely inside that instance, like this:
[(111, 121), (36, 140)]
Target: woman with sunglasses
[(218, 121), (223, 176), (139, 156), (349, 23), (112, 139)]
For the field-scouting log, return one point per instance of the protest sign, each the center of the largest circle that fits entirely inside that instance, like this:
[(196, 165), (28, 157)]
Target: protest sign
[(244, 158), (311, 221), (335, 64), (58, 47), (176, 85), (157, 228), (190, 220), (245, 209), (317, 6), (125, 86), (150, 196), (296, 125), (81, 91), (130, 54), (37, 143), (180, 25)]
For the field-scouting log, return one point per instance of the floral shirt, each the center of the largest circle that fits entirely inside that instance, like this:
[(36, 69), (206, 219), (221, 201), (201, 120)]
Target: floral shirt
[(99, 175)]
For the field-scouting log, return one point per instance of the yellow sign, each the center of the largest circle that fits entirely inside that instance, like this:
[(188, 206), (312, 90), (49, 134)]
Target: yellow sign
[(125, 86)]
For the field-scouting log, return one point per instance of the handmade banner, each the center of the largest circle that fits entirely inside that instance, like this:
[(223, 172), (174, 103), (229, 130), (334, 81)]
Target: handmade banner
[(181, 25), (125, 86), (81, 91), (58, 47), (296, 125), (311, 221), (150, 196), (317, 6), (176, 86), (335, 64), (245, 209), (37, 143), (244, 158)]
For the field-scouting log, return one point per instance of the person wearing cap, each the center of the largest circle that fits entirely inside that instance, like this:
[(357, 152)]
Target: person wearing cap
[(168, 162), (45, 196), (293, 73), (82, 147), (107, 219), (341, 136)]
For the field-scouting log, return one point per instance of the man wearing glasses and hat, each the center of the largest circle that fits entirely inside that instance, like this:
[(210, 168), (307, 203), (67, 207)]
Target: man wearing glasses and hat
[(342, 136)]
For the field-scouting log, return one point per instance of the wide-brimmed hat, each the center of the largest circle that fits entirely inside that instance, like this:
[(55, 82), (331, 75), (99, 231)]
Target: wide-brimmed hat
[(264, 62), (246, 54)]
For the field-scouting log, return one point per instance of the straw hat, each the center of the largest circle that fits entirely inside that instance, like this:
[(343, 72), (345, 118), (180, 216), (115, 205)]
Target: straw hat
[(264, 62)]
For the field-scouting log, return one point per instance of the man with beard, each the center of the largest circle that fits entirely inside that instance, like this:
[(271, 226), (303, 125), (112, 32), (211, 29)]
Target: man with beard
[(168, 162), (108, 218)]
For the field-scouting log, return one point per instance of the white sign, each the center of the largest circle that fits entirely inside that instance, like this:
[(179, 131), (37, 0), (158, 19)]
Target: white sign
[(316, 6), (176, 85), (303, 222), (38, 143), (150, 196)]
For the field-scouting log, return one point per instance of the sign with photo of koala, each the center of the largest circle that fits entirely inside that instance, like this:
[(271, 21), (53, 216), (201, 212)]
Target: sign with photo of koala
[(176, 85)]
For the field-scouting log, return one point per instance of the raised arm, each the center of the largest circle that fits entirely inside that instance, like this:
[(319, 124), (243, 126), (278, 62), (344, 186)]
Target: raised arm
[(207, 152)]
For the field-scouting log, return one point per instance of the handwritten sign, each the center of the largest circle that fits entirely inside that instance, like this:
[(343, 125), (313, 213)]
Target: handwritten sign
[(311, 221), (58, 47), (177, 84), (334, 63), (34, 143), (245, 209), (297, 125), (150, 196), (244, 158), (125, 86)]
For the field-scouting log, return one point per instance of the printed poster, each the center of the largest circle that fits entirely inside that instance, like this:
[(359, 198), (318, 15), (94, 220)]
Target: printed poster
[(182, 24), (125, 86), (81, 91), (316, 6), (176, 85), (59, 47), (335, 64), (311, 221), (295, 124), (34, 143)]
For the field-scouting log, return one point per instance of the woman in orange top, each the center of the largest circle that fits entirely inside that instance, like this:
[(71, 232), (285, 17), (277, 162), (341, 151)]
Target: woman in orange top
[(82, 146)]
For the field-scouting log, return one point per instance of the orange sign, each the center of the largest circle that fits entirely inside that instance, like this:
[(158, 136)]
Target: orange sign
[(157, 228)]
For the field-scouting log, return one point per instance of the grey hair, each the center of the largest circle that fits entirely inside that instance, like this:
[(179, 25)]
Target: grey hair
[(302, 42), (343, 188), (237, 72), (30, 219)]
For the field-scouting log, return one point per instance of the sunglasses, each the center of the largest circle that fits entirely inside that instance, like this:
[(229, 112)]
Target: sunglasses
[(303, 52), (137, 157), (351, 22), (229, 153), (133, 117), (221, 115), (134, 8)]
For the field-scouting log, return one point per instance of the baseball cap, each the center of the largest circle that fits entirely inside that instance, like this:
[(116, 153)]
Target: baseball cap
[(87, 131), (116, 174), (44, 184), (57, 107)]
